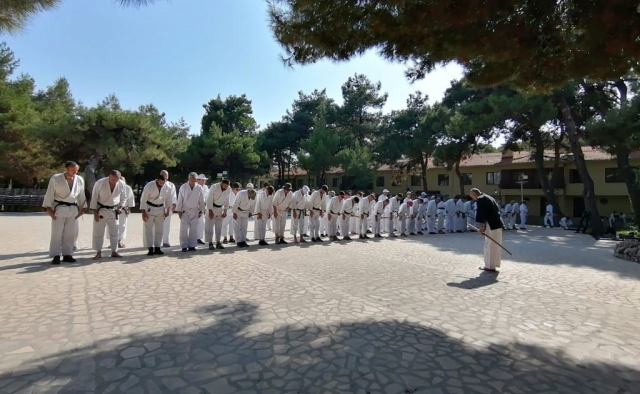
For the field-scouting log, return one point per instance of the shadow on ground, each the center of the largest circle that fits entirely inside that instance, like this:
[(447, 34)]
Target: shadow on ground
[(228, 349)]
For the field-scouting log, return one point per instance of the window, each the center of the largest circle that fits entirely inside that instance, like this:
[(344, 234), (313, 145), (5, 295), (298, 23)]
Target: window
[(334, 182), (493, 178), (443, 179), (574, 176), (467, 178), (416, 180), (612, 175), (380, 181)]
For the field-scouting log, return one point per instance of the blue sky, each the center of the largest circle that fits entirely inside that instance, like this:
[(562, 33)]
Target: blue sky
[(179, 54)]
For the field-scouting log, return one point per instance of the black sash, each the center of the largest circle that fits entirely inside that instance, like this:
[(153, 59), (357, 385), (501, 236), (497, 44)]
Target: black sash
[(155, 205), (216, 206), (112, 207), (67, 204)]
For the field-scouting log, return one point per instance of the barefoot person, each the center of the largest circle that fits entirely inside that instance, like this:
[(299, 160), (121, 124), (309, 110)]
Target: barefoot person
[(64, 202), (107, 200), (490, 221)]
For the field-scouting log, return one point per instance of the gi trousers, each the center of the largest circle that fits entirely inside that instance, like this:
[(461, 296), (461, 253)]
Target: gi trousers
[(297, 223), (523, 220), (548, 220), (512, 222), (431, 224), (63, 235), (228, 225), (314, 224), (241, 228), (377, 223), (451, 218), (260, 227), (492, 252), (153, 228), (210, 224), (333, 225), (107, 219), (122, 226), (344, 226), (280, 224), (391, 223), (403, 223), (440, 222), (167, 228), (189, 228), (201, 227), (364, 225)]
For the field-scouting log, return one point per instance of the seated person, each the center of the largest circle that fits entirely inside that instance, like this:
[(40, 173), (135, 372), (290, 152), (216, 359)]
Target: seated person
[(566, 223)]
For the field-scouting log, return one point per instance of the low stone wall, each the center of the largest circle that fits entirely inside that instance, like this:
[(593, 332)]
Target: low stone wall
[(628, 249)]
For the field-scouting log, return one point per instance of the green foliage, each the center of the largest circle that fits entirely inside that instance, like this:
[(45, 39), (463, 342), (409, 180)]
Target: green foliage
[(361, 112), (534, 45), (319, 151), (356, 163)]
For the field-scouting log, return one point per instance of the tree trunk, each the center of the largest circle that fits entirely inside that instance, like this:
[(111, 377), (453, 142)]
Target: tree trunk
[(90, 175), (629, 176), (588, 192), (423, 172), (460, 180), (538, 158)]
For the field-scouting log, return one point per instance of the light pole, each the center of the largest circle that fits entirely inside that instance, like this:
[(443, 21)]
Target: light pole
[(522, 181)]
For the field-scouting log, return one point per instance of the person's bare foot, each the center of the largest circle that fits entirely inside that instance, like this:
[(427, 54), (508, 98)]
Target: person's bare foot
[(98, 256), (116, 255)]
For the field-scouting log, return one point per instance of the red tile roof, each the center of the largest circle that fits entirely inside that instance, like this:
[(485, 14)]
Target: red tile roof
[(493, 159)]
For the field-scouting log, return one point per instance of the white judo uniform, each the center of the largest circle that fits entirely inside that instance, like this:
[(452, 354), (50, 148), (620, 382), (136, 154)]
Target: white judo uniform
[(166, 231), (281, 203), (243, 208), (191, 204), (217, 203), (123, 219), (156, 201), (107, 202), (66, 202), (263, 208)]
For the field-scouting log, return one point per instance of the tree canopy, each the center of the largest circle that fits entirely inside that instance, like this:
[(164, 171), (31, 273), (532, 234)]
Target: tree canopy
[(532, 44)]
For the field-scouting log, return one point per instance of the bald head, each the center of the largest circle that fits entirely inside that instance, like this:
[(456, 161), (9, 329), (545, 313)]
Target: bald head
[(165, 174)]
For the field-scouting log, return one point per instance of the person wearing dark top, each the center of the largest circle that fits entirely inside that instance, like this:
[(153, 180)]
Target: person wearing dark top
[(490, 223), (586, 216)]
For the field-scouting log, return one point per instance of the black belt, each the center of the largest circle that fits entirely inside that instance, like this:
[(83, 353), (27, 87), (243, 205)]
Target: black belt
[(333, 213), (67, 204), (241, 210), (216, 206), (112, 207), (304, 212), (155, 205), (347, 213), (317, 209)]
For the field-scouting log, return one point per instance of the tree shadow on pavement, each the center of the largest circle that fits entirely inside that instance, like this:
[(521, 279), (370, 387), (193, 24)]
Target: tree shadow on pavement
[(228, 348)]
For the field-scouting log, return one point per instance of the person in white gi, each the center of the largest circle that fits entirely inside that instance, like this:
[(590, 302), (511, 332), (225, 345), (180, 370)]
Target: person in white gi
[(324, 220), (403, 213), (166, 231), (64, 202), (385, 220), (515, 212), (155, 204), (413, 215), (217, 205), (421, 215), (441, 213), (317, 208), (365, 207), (333, 212), (299, 204), (264, 204), (451, 214), (281, 206), (508, 210), (305, 222), (243, 208), (432, 215), (379, 211), (524, 212), (566, 223), (548, 217), (202, 181), (490, 221), (461, 217), (126, 210), (107, 200), (471, 214), (228, 224), (190, 207), (394, 206), (348, 207)]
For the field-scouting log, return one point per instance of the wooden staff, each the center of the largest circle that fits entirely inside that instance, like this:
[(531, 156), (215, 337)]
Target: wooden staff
[(494, 241)]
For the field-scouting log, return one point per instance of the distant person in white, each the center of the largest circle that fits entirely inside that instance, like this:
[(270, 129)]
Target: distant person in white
[(64, 202), (107, 200), (190, 207), (155, 204), (174, 200), (130, 202)]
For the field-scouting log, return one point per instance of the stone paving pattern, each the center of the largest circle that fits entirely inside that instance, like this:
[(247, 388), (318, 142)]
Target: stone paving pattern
[(405, 315)]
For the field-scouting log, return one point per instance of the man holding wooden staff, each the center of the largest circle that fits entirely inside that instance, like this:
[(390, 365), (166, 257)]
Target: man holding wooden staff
[(490, 225)]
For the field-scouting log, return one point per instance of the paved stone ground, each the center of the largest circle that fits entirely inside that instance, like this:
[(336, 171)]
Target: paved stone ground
[(390, 316)]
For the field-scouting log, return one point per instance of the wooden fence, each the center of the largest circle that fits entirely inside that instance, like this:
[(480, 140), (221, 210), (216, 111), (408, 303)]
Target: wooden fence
[(16, 200)]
